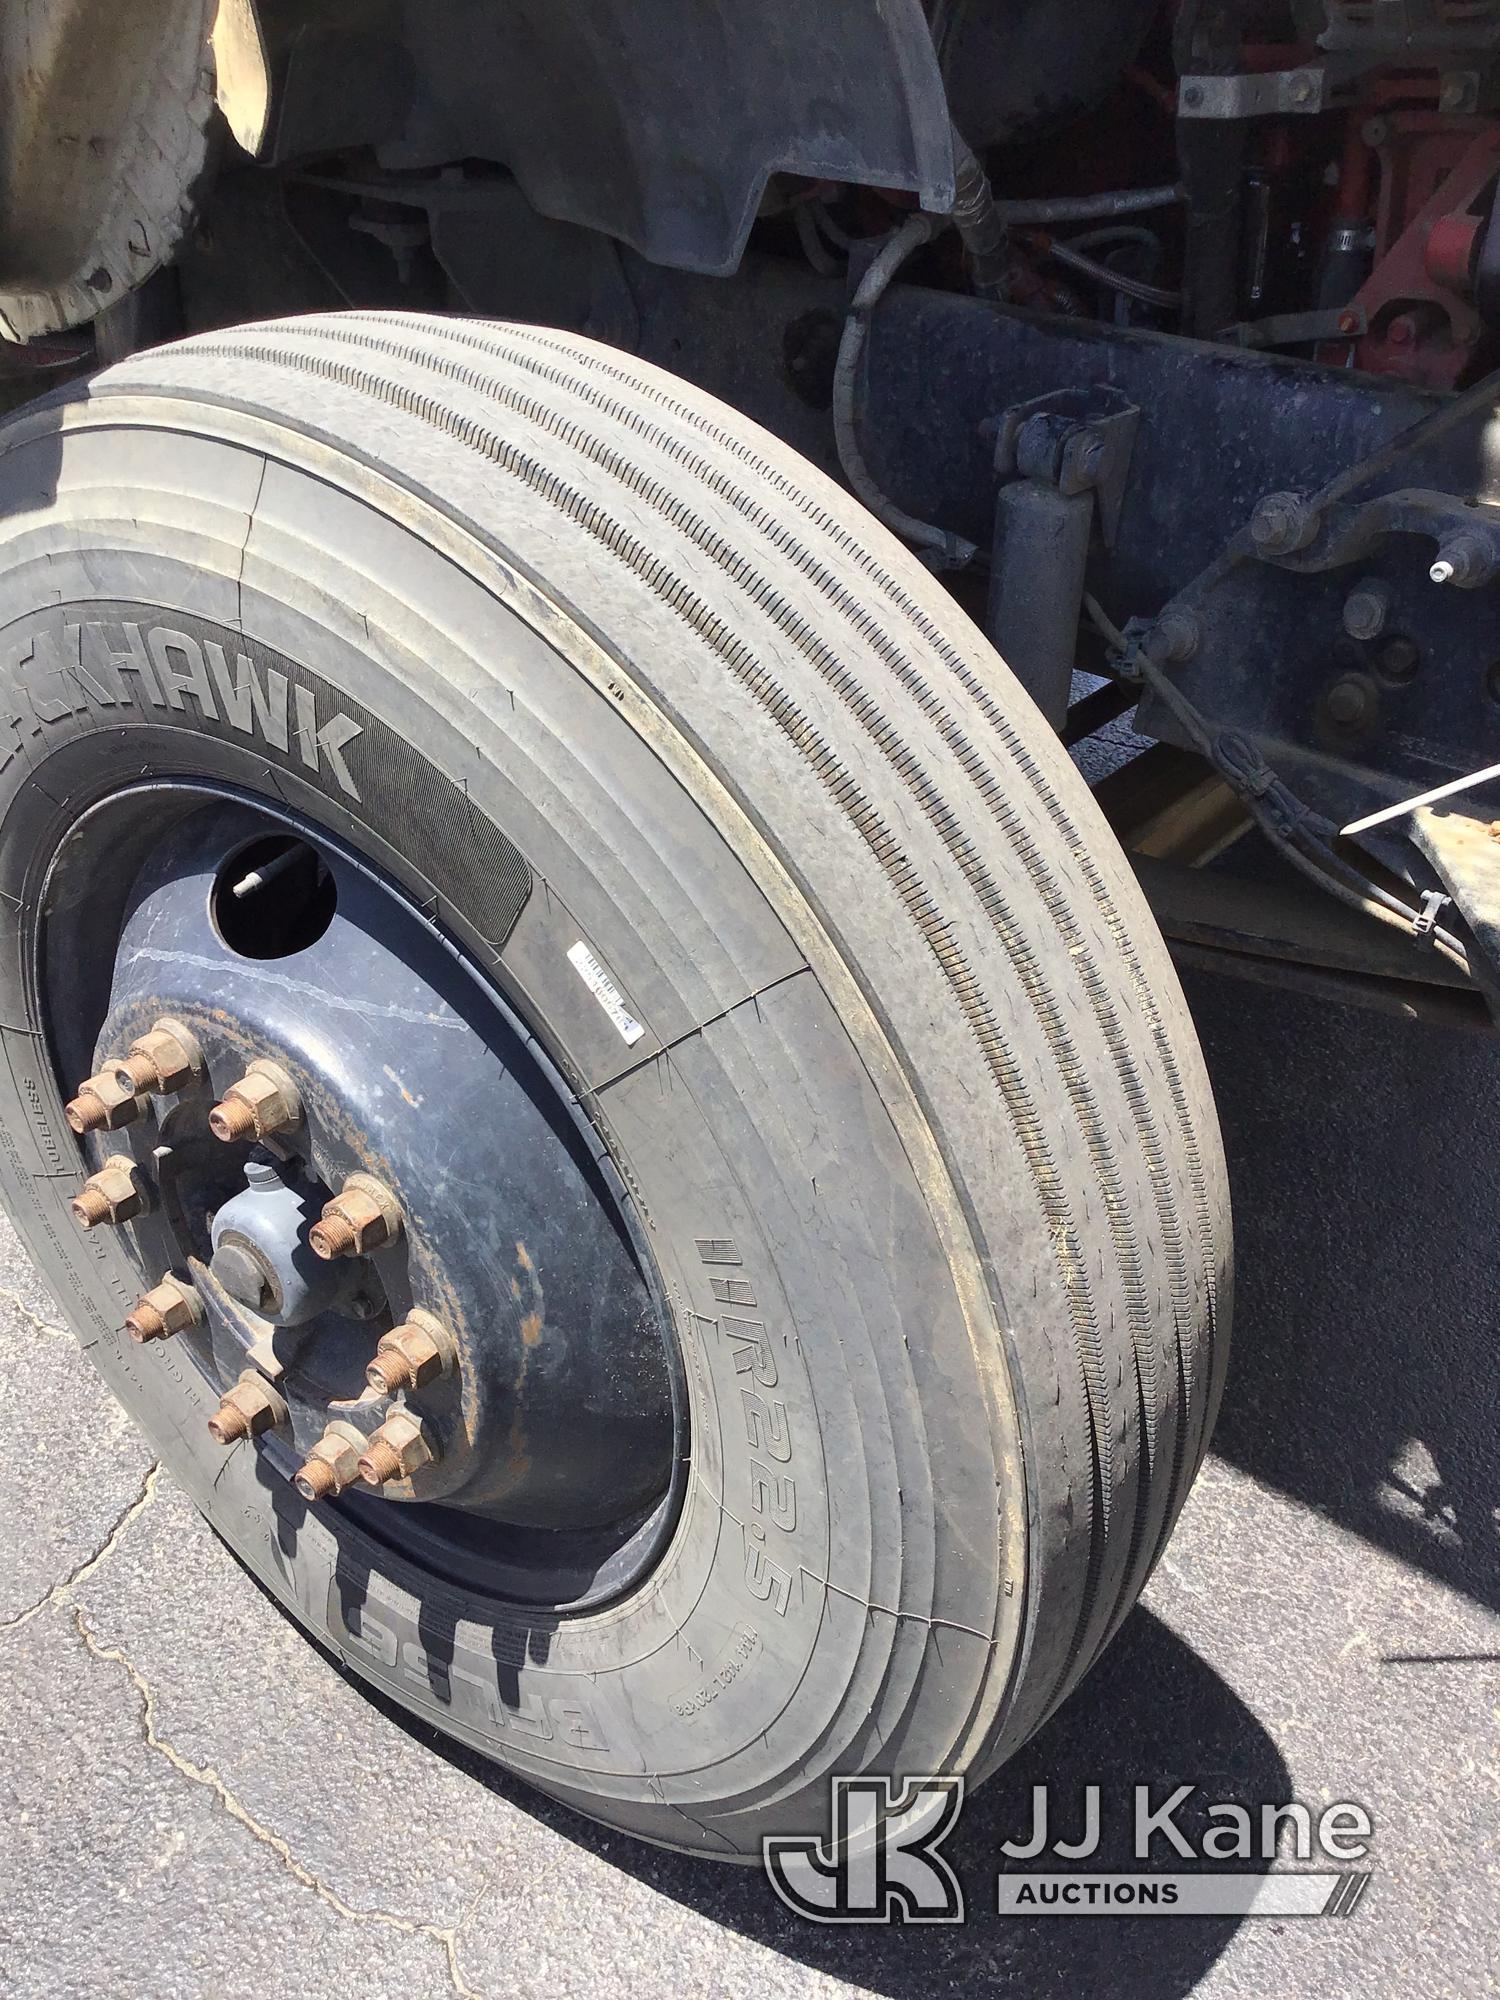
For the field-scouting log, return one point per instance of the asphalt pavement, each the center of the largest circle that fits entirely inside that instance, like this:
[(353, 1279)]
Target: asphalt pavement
[(194, 1801)]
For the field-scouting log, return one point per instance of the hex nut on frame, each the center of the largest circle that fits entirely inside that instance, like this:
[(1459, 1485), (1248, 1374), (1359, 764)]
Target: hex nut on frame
[(103, 1104), (1174, 639), (250, 1407), (168, 1308), (1283, 523), (264, 1101), (1367, 608), (398, 1449), (113, 1195), (412, 1355), (164, 1061), (363, 1216), (332, 1464)]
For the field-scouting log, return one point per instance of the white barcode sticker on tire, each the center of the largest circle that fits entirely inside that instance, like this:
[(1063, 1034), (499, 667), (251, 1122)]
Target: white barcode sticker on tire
[(605, 991)]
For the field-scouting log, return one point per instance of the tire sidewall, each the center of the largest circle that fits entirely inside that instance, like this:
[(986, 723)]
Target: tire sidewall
[(751, 1658)]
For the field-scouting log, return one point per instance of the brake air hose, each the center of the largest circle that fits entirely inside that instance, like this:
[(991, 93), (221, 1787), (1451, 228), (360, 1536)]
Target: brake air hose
[(980, 224)]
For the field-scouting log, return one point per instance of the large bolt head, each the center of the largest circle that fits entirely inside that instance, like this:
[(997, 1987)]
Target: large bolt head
[(1349, 702), (331, 1465), (411, 1355), (363, 1216), (166, 1309), (250, 1407), (103, 1104), (264, 1101), (1400, 658), (113, 1195), (165, 1061), (398, 1449), (1174, 638), (1366, 609), (1281, 523)]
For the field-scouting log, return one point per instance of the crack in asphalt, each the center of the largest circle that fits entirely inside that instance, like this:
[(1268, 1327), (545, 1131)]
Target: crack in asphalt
[(204, 1775), (60, 1595), (33, 1318), (62, 1591)]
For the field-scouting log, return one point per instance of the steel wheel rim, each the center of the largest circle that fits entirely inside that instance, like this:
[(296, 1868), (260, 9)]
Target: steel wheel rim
[(569, 1532)]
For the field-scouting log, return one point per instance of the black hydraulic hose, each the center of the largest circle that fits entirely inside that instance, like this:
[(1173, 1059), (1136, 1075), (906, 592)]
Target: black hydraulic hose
[(982, 223), (977, 220), (1089, 207), (1118, 281), (1118, 233)]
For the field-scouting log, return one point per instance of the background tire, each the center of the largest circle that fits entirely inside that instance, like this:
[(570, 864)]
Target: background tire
[(918, 1129)]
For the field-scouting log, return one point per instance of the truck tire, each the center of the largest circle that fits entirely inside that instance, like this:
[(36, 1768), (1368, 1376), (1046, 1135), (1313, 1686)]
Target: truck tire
[(804, 918)]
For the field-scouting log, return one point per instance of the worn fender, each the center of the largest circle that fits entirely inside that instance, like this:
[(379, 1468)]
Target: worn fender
[(657, 122)]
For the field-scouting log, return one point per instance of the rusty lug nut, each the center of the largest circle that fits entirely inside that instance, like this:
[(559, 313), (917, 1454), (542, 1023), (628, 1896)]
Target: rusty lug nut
[(102, 1104), (332, 1464), (363, 1216), (112, 1195), (250, 1407), (166, 1309), (398, 1449), (264, 1101), (411, 1355), (165, 1061)]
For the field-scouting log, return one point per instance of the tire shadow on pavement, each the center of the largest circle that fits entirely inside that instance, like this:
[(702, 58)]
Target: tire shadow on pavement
[(1153, 1713), (1365, 1181)]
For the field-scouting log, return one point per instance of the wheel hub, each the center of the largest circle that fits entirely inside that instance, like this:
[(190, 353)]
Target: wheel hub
[(395, 1246), (263, 1256)]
